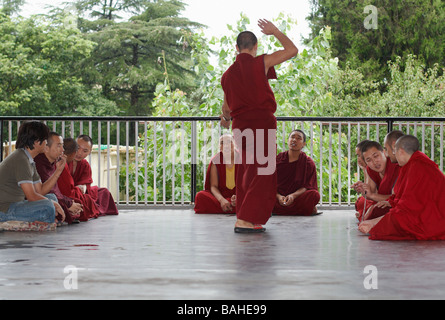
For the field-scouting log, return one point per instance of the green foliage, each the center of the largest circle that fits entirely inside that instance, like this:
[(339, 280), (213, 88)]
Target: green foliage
[(38, 60), (404, 28), (132, 57)]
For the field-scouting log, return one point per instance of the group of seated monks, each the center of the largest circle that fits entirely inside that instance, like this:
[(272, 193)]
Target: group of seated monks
[(297, 189), (402, 196), (64, 167), (403, 193)]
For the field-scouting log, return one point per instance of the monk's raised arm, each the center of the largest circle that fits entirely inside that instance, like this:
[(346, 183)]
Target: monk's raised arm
[(289, 51)]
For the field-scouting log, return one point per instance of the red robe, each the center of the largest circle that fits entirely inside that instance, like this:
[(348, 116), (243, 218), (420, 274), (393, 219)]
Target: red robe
[(67, 187), (292, 176), (46, 170), (102, 196), (205, 201), (418, 211), (252, 104), (384, 185)]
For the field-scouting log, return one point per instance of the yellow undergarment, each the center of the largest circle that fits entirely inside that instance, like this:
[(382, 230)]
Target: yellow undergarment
[(230, 178)]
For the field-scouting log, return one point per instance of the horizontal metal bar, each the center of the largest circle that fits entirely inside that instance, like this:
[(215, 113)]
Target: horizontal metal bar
[(138, 118)]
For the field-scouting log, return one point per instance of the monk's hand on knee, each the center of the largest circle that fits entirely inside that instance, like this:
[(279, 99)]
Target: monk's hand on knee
[(289, 200), (281, 200), (225, 205)]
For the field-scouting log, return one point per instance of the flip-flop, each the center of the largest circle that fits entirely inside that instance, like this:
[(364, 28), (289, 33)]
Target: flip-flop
[(255, 229)]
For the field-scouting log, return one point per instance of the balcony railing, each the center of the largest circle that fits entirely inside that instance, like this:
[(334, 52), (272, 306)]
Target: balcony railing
[(160, 162)]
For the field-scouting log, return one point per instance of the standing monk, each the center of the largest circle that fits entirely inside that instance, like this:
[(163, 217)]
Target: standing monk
[(80, 169), (250, 102), (418, 208)]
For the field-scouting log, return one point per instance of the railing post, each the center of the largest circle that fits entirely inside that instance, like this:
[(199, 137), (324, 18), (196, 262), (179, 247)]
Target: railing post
[(390, 125), (1, 140), (194, 161)]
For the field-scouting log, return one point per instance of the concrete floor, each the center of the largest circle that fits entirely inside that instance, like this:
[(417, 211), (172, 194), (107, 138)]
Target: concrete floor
[(175, 254)]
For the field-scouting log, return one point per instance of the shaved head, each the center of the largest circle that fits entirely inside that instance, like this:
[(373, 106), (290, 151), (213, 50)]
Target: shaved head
[(393, 136), (408, 143), (246, 40)]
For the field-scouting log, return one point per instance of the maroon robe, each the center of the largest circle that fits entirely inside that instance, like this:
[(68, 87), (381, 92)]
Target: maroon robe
[(384, 185), (252, 105), (46, 170), (292, 176), (102, 196), (205, 201), (67, 187), (418, 211)]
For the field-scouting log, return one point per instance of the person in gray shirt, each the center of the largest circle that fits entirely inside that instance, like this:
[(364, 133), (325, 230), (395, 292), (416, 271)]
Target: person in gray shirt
[(20, 185)]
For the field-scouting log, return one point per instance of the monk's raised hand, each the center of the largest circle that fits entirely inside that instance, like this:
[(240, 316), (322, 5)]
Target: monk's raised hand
[(267, 27)]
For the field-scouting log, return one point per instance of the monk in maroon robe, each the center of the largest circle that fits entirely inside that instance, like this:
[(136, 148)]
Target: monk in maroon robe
[(219, 194), (418, 206), (68, 189), (49, 166), (382, 176), (80, 169), (297, 188), (250, 102)]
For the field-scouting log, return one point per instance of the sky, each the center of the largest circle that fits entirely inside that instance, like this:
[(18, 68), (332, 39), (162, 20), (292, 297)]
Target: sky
[(217, 14)]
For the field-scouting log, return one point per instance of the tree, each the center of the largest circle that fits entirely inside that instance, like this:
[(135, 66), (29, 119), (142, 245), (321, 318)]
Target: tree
[(9, 7), (38, 70), (404, 27), (132, 57)]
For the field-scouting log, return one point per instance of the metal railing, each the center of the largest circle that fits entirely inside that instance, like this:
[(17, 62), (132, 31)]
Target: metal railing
[(160, 162)]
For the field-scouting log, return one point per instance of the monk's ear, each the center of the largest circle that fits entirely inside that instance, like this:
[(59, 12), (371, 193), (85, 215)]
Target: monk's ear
[(237, 49)]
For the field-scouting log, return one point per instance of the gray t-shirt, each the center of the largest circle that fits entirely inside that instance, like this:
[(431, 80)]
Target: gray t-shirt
[(18, 168)]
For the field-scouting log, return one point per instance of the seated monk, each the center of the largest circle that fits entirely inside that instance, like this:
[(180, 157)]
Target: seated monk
[(390, 142), (382, 175), (297, 189), (80, 169), (361, 163), (68, 188), (50, 165), (418, 207), (219, 194)]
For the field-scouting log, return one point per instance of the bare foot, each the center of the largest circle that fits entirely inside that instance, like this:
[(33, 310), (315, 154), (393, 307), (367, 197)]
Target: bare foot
[(244, 224)]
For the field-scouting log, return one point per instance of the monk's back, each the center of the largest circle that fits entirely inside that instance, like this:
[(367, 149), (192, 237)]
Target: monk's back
[(246, 85)]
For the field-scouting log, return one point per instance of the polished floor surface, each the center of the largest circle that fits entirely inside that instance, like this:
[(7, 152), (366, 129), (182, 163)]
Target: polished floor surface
[(175, 254)]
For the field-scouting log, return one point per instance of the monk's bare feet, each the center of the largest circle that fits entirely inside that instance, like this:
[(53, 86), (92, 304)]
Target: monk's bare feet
[(367, 225), (244, 224)]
